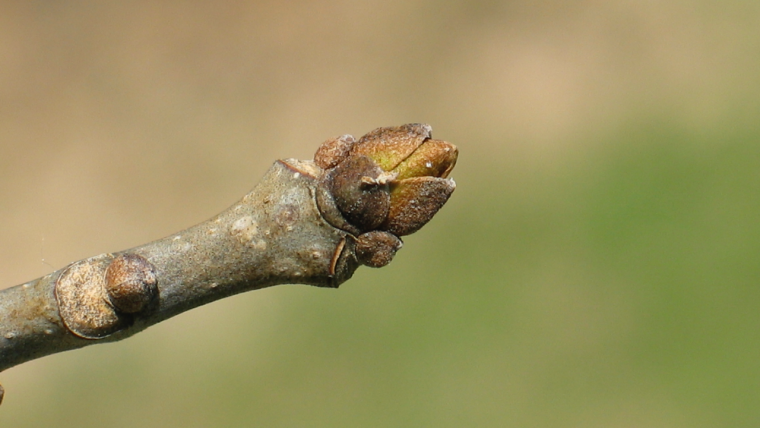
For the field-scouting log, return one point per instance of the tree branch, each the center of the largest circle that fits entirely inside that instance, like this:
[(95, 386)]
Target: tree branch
[(307, 222)]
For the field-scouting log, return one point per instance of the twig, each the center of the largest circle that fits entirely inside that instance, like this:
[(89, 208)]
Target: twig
[(306, 222)]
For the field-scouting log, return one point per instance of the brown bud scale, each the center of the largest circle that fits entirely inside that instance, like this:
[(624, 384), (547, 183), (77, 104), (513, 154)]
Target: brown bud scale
[(377, 248), (359, 195), (333, 151), (391, 145), (130, 283), (415, 201)]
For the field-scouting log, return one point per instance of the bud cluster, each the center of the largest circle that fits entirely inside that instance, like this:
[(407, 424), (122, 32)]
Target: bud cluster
[(388, 184)]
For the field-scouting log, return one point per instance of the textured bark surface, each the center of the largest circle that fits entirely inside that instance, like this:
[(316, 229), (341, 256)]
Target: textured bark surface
[(306, 222), (274, 235)]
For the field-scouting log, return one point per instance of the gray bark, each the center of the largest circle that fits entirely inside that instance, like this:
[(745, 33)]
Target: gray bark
[(306, 222), (274, 235)]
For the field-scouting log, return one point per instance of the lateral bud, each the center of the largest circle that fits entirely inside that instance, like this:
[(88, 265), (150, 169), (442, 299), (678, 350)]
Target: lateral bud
[(130, 283), (98, 296)]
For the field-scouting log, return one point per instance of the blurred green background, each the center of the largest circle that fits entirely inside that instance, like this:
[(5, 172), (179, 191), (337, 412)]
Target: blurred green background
[(596, 267)]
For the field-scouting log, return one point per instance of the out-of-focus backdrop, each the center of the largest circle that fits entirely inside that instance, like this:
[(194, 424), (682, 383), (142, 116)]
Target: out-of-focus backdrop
[(598, 265)]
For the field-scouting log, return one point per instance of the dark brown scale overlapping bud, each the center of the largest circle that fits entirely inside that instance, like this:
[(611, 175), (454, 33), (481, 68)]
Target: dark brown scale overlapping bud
[(359, 192)]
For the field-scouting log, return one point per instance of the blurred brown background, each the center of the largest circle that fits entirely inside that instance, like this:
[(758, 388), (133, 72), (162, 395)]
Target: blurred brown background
[(597, 266)]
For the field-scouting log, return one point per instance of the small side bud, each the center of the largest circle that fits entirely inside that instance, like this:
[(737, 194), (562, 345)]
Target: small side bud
[(333, 151), (131, 283), (377, 248)]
